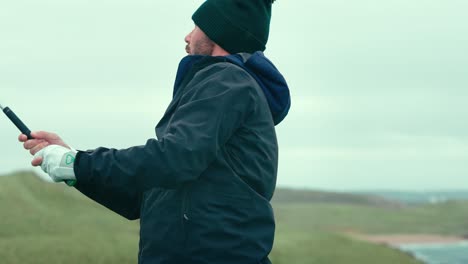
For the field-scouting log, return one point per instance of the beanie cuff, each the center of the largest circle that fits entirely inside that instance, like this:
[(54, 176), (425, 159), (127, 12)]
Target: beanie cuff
[(223, 32)]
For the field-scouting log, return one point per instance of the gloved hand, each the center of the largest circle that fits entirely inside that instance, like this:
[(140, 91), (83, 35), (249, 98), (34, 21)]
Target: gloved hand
[(58, 161)]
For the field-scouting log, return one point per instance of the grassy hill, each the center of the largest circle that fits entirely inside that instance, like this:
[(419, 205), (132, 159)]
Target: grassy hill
[(312, 210), (52, 223), (286, 195), (318, 220)]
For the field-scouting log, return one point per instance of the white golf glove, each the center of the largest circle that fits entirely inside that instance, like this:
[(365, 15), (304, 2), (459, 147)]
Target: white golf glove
[(58, 161)]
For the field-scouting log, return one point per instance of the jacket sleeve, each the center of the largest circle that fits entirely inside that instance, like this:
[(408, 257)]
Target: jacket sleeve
[(124, 203), (210, 110)]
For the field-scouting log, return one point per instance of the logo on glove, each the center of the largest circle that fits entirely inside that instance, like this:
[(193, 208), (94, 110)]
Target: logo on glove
[(69, 159)]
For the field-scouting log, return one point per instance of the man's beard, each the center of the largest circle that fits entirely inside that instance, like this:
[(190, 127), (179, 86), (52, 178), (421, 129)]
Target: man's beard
[(202, 47)]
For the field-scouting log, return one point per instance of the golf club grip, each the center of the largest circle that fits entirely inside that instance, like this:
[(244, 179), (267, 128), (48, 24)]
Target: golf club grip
[(25, 130), (18, 123)]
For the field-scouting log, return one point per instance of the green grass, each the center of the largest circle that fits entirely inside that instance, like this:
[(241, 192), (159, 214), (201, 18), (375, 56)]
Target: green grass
[(446, 218), (52, 223), (321, 247)]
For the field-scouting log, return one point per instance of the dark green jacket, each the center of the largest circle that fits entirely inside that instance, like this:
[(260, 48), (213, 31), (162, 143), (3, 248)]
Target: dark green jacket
[(202, 187)]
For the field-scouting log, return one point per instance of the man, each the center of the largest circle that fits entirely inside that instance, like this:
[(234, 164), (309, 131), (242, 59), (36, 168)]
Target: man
[(202, 188)]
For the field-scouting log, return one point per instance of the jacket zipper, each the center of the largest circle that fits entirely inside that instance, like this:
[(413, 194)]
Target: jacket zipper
[(184, 209)]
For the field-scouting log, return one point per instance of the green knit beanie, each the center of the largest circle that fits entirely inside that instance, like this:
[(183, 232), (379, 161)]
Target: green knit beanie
[(236, 25)]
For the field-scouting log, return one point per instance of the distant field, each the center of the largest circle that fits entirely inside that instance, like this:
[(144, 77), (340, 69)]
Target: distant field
[(51, 223), (318, 229)]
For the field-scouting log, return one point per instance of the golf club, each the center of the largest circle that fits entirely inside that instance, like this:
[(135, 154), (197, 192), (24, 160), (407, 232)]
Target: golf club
[(24, 129), (15, 119)]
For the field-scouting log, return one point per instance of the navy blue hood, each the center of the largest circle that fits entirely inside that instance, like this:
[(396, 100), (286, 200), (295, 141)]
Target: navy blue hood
[(262, 70), (270, 80)]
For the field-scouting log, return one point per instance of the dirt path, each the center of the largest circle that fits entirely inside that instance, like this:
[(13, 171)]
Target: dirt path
[(397, 239)]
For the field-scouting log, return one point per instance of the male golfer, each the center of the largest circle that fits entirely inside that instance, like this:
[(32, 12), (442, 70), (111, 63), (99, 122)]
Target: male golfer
[(202, 187)]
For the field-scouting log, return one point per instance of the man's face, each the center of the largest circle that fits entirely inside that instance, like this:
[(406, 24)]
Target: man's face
[(198, 43)]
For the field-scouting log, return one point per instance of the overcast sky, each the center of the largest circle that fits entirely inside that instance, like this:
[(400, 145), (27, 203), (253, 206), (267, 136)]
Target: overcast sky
[(379, 88)]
